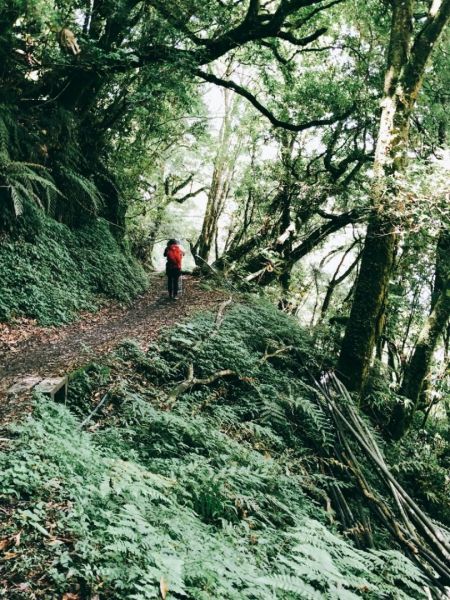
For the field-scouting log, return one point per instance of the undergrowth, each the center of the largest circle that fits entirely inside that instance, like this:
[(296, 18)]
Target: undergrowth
[(219, 493), (50, 272)]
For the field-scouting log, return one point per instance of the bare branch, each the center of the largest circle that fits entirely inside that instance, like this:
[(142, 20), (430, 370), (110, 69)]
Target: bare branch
[(267, 355), (183, 184), (189, 195), (192, 381), (289, 37)]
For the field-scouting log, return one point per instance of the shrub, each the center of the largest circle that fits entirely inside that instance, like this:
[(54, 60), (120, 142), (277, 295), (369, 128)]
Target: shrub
[(210, 498)]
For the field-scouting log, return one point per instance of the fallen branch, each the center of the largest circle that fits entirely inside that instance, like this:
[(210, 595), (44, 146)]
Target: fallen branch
[(268, 268), (221, 315), (415, 531), (192, 381), (96, 409), (268, 355)]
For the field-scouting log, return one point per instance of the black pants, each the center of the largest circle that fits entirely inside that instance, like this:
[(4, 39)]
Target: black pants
[(173, 279)]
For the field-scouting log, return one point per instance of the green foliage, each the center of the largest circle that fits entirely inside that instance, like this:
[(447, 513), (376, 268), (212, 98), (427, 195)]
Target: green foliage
[(421, 461), (209, 497), (50, 272)]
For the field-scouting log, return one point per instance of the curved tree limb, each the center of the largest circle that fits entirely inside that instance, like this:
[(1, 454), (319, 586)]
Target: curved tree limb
[(265, 111), (192, 381), (271, 270)]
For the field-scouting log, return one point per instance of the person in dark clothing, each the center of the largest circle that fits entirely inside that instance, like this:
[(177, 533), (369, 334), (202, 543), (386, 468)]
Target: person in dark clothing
[(174, 254)]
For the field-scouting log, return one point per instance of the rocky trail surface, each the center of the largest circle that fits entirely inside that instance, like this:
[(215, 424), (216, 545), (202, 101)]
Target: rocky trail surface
[(27, 350)]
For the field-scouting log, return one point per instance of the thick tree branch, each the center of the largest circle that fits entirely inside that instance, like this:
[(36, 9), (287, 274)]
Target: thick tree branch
[(266, 271), (253, 10), (254, 26), (231, 85), (320, 233), (180, 186), (438, 17), (189, 195), (285, 35)]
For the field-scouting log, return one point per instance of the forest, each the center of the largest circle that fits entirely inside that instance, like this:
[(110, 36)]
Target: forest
[(283, 430)]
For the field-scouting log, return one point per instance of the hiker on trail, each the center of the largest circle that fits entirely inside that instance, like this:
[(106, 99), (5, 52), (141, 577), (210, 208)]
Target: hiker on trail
[(174, 254)]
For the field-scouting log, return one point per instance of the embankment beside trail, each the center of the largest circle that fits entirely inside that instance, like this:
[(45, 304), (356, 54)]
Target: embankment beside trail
[(206, 473), (50, 272)]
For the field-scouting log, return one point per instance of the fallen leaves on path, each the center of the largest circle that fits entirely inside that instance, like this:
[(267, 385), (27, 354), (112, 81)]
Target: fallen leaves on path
[(28, 349)]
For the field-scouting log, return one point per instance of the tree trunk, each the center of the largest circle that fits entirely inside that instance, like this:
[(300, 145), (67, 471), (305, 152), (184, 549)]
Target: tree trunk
[(366, 317), (415, 381), (406, 61), (419, 366), (220, 184)]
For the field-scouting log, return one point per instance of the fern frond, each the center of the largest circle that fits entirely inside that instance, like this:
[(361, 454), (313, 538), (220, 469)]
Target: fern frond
[(27, 193), (289, 583), (83, 187), (17, 201)]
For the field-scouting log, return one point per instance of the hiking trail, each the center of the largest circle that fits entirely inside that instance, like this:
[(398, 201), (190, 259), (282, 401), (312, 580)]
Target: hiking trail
[(29, 350)]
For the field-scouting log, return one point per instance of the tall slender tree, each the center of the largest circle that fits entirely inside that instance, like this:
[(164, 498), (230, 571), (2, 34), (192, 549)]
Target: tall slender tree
[(228, 147)]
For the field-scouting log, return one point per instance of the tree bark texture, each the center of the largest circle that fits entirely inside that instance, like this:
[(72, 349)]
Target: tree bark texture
[(366, 316), (420, 364)]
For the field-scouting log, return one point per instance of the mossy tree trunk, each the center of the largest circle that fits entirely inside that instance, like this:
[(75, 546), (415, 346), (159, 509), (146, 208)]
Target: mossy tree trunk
[(419, 366), (415, 381), (406, 62)]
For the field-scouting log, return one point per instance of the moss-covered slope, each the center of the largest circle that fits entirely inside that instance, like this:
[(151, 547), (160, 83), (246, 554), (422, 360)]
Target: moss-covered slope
[(50, 272)]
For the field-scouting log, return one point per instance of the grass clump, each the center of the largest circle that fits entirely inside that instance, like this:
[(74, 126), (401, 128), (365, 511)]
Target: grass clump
[(49, 272)]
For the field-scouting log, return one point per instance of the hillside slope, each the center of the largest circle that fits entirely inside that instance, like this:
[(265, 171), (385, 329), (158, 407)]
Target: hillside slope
[(50, 272), (203, 474)]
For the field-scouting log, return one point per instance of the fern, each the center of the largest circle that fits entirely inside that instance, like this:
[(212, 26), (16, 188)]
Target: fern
[(219, 500), (18, 200), (26, 184), (289, 583), (82, 189)]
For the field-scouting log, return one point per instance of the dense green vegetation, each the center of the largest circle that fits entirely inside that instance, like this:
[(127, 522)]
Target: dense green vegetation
[(50, 273), (299, 148), (224, 495)]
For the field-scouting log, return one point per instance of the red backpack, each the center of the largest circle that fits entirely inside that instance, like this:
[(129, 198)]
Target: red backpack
[(174, 256)]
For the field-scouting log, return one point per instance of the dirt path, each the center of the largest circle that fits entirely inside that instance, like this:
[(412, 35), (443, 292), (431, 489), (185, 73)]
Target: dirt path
[(46, 352)]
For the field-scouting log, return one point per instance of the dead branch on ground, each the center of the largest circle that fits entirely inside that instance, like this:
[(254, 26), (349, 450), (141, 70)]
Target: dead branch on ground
[(192, 381), (422, 539)]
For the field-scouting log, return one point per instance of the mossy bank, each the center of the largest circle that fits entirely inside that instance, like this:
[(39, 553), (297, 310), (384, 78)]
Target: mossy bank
[(50, 272)]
